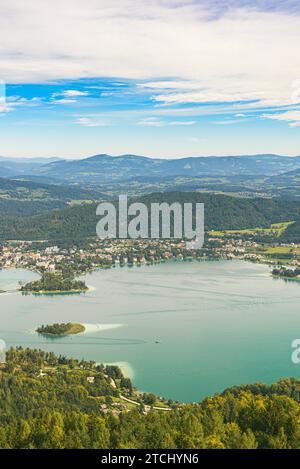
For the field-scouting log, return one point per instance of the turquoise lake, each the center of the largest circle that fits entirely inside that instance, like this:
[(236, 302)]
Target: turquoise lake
[(182, 330)]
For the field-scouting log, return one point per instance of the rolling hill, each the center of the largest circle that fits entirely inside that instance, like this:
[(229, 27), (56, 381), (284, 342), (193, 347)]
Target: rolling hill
[(22, 197), (103, 168), (221, 213), (250, 176), (10, 167), (257, 175)]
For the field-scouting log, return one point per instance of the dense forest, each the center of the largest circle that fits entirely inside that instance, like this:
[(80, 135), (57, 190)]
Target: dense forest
[(221, 213), (52, 402)]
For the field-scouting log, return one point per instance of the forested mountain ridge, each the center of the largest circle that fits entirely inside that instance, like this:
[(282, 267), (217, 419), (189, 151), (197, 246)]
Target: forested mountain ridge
[(25, 197), (54, 402), (23, 189), (221, 213)]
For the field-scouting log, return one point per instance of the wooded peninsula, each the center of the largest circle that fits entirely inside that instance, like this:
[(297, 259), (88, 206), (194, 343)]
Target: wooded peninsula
[(55, 283)]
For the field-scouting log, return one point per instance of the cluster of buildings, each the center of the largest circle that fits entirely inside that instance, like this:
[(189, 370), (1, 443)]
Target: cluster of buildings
[(106, 253), (97, 253)]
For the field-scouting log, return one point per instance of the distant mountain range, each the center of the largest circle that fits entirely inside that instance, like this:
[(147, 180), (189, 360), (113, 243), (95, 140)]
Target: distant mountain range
[(108, 168), (267, 175), (10, 167), (70, 189)]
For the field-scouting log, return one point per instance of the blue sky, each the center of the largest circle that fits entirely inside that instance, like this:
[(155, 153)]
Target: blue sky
[(160, 78)]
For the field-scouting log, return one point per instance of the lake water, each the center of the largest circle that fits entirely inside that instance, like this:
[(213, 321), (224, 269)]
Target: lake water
[(217, 324)]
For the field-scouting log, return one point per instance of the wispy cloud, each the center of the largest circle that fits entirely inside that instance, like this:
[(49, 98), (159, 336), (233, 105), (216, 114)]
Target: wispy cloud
[(67, 96), (234, 55), (192, 93), (182, 123), (91, 122), (152, 122), (75, 93), (156, 122), (292, 117), (10, 103), (63, 101), (230, 122), (158, 63)]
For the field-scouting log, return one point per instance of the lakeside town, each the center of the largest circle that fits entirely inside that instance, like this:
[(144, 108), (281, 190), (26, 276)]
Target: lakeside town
[(96, 253)]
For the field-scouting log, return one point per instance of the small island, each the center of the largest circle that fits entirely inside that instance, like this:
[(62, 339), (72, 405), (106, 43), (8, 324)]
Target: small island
[(54, 283), (59, 330)]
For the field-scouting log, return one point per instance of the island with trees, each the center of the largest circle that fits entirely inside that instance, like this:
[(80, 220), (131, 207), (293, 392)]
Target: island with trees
[(59, 330), (55, 283)]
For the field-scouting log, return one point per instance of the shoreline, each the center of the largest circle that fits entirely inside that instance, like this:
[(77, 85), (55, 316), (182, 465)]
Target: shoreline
[(90, 289), (261, 261), (125, 367), (54, 292), (284, 277), (94, 328), (99, 327)]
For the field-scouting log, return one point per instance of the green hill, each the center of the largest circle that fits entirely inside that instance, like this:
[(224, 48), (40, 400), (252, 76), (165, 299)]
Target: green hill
[(221, 213), (24, 197)]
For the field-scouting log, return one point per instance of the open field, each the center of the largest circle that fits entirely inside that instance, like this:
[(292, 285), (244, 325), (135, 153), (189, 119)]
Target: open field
[(276, 230)]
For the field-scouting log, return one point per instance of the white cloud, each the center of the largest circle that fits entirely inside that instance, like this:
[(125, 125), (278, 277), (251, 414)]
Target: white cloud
[(74, 93), (247, 97), (219, 51), (230, 122), (64, 101), (182, 123), (156, 122), (292, 117), (67, 96), (9, 103), (170, 85), (152, 122), (91, 122)]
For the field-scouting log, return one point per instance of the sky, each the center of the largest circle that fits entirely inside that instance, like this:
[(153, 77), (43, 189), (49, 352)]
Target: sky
[(160, 78)]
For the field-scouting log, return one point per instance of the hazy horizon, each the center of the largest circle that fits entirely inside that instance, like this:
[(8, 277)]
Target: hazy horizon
[(47, 157)]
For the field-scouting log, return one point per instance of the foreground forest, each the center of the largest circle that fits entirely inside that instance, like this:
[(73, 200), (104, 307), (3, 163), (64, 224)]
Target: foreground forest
[(54, 402)]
